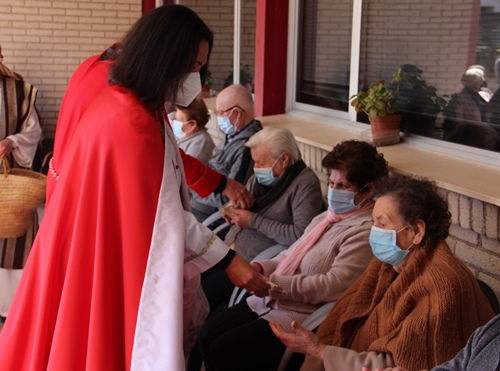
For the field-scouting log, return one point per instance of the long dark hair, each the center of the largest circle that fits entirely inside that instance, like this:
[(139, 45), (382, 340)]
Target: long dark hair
[(158, 52)]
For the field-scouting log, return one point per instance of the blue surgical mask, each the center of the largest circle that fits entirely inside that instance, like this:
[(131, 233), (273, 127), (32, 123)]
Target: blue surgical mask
[(177, 128), (225, 124), (383, 244), (342, 202), (265, 175)]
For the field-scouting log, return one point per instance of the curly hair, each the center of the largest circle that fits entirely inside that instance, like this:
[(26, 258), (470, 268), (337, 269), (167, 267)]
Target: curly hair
[(416, 199), (360, 161)]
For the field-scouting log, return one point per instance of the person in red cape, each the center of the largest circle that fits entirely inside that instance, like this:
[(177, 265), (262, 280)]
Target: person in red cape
[(112, 279), (85, 83)]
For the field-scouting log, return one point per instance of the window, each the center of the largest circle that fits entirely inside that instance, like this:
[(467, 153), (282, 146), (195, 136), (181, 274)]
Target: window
[(434, 42), (324, 53)]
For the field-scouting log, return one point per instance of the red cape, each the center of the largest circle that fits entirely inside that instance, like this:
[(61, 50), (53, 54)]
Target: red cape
[(77, 302)]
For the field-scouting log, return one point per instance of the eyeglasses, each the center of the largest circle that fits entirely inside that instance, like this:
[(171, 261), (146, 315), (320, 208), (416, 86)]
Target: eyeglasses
[(220, 113)]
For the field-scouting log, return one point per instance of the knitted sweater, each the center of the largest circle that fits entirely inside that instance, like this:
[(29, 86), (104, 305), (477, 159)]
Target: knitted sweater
[(421, 317)]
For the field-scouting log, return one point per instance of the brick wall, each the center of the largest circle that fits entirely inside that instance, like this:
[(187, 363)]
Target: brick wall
[(432, 35), (219, 16), (46, 40)]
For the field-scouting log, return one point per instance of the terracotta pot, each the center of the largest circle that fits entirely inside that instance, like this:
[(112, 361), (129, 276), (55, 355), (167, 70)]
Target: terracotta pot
[(385, 130)]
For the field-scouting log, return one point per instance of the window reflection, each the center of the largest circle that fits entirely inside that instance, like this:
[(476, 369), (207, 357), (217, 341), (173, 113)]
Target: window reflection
[(435, 42), (324, 53)]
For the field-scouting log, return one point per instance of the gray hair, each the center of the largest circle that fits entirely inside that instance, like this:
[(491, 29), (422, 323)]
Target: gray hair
[(277, 140), (473, 76)]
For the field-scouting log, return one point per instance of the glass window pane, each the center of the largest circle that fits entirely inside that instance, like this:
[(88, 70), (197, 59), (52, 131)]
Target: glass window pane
[(324, 53), (220, 18), (436, 42)]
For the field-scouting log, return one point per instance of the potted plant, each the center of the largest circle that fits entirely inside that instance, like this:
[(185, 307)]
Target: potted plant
[(418, 102), (246, 77), (379, 103)]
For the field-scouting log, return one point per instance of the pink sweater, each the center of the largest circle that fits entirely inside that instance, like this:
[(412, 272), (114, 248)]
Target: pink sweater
[(338, 258)]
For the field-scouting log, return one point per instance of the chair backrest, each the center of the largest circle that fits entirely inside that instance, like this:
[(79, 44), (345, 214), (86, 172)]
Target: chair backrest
[(490, 295)]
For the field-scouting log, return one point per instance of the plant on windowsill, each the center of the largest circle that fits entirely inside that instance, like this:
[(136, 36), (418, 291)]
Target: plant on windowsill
[(379, 104)]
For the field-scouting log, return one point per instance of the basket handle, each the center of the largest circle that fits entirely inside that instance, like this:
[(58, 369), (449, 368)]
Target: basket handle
[(6, 167), (46, 160)]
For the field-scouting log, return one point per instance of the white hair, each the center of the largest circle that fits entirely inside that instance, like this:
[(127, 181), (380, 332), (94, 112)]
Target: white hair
[(473, 76), (277, 140)]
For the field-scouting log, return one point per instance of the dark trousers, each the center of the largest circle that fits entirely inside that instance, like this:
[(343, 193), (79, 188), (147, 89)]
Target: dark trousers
[(217, 288), (237, 339)]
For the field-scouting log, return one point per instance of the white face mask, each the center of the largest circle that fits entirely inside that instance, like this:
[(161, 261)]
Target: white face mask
[(189, 90)]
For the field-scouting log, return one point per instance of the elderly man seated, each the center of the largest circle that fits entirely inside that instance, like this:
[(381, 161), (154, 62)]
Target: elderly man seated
[(235, 116)]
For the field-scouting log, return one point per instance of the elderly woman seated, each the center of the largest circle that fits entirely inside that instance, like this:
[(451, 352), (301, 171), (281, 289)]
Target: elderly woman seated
[(316, 269), (416, 304), (287, 196), (189, 129), (468, 106)]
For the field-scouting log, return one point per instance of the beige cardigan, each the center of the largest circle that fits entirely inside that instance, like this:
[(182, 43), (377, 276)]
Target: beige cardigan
[(337, 259)]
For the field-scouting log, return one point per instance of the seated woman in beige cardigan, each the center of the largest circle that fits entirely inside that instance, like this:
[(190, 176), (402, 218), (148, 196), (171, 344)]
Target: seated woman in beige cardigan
[(416, 304)]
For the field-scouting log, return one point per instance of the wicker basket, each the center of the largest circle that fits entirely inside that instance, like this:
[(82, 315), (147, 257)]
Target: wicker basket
[(21, 191)]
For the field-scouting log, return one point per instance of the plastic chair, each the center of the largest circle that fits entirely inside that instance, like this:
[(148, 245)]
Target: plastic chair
[(212, 218), (311, 323), (490, 295), (222, 227), (238, 294)]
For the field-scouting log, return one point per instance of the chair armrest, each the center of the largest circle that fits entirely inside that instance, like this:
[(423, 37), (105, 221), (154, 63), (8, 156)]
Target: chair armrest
[(212, 218), (311, 322)]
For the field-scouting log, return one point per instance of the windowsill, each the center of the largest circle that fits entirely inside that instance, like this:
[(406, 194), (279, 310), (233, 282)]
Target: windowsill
[(466, 177), (463, 176)]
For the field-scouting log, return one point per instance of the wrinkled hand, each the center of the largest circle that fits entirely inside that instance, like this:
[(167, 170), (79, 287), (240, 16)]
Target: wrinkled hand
[(302, 341), (241, 217), (237, 193), (243, 275), (385, 369), (5, 147)]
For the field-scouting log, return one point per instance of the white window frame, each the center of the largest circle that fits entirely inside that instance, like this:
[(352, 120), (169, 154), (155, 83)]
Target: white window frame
[(348, 119)]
